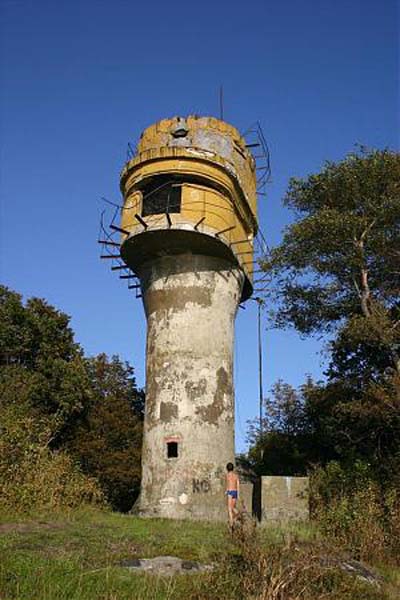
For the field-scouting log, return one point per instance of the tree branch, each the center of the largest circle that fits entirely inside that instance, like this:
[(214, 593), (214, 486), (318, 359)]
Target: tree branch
[(364, 290), (367, 230)]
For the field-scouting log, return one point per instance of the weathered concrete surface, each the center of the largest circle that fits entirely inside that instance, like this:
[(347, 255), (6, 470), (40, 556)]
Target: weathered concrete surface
[(246, 497), (284, 498), (165, 566), (190, 303)]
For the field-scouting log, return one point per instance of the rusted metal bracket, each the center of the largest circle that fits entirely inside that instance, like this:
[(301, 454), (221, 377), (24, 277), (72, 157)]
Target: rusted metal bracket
[(241, 242), (108, 243), (141, 221), (199, 222), (225, 230), (115, 228)]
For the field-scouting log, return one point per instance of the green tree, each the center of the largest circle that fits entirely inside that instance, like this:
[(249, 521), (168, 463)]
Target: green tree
[(337, 271), (338, 264), (351, 424), (286, 445), (33, 333), (319, 423), (90, 408), (108, 439), (37, 339)]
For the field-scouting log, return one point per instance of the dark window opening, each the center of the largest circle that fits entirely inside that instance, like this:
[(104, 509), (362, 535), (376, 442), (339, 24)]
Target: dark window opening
[(172, 449), (161, 195)]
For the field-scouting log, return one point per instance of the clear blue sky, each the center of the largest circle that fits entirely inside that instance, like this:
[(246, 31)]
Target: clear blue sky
[(79, 79)]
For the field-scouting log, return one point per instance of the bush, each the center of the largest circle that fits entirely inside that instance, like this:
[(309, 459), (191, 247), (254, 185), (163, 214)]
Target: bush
[(356, 512), (32, 477)]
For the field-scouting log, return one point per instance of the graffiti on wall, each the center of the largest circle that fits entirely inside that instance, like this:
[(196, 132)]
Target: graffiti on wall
[(200, 486)]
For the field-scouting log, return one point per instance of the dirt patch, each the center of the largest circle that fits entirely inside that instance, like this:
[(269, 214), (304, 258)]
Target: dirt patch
[(29, 527)]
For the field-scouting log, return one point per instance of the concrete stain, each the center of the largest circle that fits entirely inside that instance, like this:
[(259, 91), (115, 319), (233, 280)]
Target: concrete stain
[(177, 299), (168, 411), (213, 411), (196, 390)]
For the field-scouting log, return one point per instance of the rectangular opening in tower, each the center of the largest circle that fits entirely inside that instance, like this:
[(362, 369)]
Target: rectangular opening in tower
[(161, 197), (172, 449)]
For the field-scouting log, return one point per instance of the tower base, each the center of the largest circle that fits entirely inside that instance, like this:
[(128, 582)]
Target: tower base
[(190, 303)]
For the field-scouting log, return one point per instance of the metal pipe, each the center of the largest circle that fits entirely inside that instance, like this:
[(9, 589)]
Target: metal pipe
[(260, 374), (260, 370)]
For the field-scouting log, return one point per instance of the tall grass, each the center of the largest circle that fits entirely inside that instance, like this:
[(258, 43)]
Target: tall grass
[(356, 512), (258, 569)]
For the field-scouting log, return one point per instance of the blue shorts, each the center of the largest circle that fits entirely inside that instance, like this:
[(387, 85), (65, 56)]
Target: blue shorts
[(232, 493)]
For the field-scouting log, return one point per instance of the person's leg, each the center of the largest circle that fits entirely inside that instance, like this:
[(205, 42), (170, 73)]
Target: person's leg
[(234, 509), (231, 502)]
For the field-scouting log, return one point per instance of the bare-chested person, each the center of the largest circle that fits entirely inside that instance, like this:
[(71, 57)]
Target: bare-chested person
[(232, 492)]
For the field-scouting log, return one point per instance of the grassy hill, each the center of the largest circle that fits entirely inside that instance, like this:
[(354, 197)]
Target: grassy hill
[(79, 555)]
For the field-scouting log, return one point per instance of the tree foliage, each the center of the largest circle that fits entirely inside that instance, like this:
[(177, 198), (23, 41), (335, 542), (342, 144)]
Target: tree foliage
[(108, 439), (31, 334), (338, 263), (320, 422), (337, 270), (87, 410), (286, 443)]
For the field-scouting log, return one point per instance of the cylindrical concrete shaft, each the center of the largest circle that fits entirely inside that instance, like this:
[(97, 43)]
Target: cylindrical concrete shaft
[(190, 303)]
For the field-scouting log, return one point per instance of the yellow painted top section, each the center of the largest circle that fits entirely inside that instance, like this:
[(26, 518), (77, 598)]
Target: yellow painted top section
[(208, 159)]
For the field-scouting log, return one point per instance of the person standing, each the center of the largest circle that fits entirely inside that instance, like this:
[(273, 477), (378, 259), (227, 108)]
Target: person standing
[(232, 493)]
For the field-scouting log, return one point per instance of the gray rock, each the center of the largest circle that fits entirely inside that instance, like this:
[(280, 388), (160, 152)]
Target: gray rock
[(165, 565), (133, 562), (353, 567)]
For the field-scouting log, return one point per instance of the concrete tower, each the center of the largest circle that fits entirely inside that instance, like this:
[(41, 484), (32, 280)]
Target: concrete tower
[(188, 225)]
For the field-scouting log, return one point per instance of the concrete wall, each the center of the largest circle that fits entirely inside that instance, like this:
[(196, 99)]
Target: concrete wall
[(246, 497), (284, 498)]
